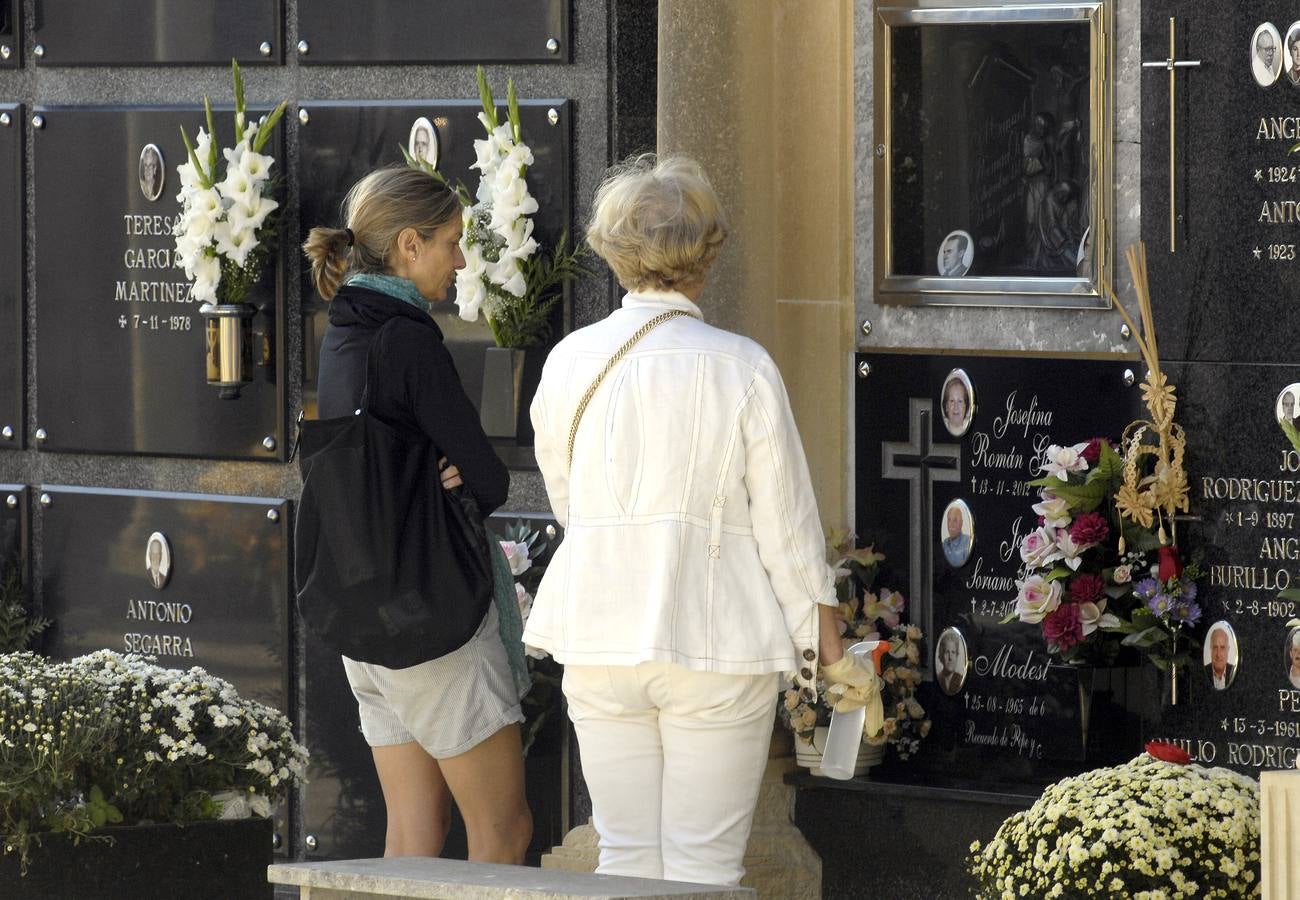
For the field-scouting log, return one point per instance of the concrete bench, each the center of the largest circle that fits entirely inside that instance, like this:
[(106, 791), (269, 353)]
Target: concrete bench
[(426, 878)]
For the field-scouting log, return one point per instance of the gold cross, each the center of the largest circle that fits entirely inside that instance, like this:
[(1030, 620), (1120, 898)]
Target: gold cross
[(1171, 64)]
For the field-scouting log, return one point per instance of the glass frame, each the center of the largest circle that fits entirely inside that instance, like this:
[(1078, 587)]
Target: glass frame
[(892, 289)]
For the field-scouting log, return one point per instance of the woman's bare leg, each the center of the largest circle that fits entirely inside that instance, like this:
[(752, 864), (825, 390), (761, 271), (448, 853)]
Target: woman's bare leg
[(418, 801), (488, 784)]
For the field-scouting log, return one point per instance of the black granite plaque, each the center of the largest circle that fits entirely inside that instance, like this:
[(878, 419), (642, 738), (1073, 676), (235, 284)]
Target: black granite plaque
[(452, 31), (1245, 478), (343, 140), (342, 802), (1228, 292), (147, 33), (14, 534), (996, 151), (211, 590), (1018, 718), (120, 343), (10, 34), (12, 393)]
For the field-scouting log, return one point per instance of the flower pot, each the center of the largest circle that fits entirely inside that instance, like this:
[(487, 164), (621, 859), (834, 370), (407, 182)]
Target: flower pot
[(810, 755), (211, 860)]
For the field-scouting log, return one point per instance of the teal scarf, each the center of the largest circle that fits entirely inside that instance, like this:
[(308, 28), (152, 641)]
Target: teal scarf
[(510, 624), (398, 288)]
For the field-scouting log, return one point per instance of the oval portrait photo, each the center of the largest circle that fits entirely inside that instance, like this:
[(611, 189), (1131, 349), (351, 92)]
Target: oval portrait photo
[(951, 661), (956, 253), (1220, 655), (152, 173), (957, 533), (158, 560), (1266, 55), (957, 402), (1287, 405), (1291, 54), (1291, 657), (422, 142)]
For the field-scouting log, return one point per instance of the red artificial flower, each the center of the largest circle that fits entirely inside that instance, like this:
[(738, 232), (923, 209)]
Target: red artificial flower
[(1087, 588), (1171, 564), (1092, 452), (1168, 752), (1062, 627), (1089, 528)]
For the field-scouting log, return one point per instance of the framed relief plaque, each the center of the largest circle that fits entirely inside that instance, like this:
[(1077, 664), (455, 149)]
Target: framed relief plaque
[(993, 153)]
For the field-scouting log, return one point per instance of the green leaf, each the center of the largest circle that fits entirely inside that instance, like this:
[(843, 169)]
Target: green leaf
[(1289, 594), (268, 125), (1058, 573), (512, 110), (239, 91), (212, 133), (485, 97), (1288, 428), (200, 172), (1084, 497)]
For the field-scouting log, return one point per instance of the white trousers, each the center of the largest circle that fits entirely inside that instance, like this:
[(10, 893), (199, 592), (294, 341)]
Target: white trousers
[(674, 760)]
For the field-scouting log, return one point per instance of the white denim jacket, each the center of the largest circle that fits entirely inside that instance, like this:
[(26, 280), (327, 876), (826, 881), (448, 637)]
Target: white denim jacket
[(692, 531)]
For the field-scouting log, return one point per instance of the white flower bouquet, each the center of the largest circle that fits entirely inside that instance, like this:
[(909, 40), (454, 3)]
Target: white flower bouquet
[(106, 739), (505, 277), (225, 230), (1155, 828)]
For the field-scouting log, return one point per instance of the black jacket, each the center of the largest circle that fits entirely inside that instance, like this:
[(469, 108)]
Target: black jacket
[(418, 386)]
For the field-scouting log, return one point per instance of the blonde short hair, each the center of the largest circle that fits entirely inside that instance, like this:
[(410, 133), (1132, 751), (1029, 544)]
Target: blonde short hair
[(657, 222)]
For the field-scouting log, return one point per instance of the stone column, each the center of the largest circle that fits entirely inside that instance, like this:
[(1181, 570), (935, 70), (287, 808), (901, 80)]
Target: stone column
[(1279, 833)]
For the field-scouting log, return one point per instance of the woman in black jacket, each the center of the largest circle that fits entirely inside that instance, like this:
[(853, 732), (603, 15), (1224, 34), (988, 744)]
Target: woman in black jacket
[(447, 728)]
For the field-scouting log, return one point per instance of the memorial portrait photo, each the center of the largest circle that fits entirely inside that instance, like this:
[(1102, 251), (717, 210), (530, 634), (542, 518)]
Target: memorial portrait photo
[(152, 175), (957, 402), (1266, 55), (1219, 655), (956, 254), (158, 560), (1292, 657), (422, 142), (957, 533), (1287, 407), (950, 661), (1292, 54)]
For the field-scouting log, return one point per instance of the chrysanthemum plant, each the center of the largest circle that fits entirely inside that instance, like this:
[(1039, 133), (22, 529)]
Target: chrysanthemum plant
[(226, 232), (506, 277), (1103, 569), (867, 614)]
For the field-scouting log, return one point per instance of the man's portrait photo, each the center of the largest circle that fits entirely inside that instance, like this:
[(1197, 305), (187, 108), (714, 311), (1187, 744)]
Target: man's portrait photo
[(1219, 655), (152, 175), (957, 533), (1287, 406), (1266, 55), (956, 253), (950, 661), (158, 560), (957, 402), (1291, 55), (422, 142), (1292, 658)]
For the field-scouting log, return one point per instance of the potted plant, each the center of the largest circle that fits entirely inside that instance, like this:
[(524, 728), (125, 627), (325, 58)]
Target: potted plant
[(865, 614), (105, 757), (507, 278), (1155, 827)]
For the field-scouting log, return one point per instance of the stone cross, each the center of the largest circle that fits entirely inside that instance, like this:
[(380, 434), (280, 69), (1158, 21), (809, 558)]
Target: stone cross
[(1171, 64), (921, 462)]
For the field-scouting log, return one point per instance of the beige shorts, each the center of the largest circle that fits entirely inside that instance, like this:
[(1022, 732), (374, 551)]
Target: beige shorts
[(448, 704)]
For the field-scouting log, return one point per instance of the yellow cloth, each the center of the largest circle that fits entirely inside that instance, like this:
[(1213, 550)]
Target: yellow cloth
[(851, 685)]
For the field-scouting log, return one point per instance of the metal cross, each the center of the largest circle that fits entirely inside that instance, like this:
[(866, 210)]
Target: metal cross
[(1171, 64), (921, 462)]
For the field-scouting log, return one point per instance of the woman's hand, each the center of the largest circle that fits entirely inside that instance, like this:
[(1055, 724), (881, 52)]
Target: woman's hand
[(450, 474)]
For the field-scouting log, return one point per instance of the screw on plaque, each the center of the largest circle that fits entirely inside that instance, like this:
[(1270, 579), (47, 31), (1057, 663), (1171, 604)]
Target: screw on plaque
[(552, 45), (864, 369), (264, 48)]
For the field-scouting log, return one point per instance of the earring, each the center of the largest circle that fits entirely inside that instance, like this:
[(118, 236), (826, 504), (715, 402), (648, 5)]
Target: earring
[(412, 257)]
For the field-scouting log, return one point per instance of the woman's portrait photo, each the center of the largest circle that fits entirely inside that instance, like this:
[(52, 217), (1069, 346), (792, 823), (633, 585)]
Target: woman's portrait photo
[(950, 661), (152, 174), (956, 253), (1266, 55), (1292, 53), (422, 142), (1287, 406), (1220, 654), (158, 560), (957, 533), (957, 402), (1292, 658)]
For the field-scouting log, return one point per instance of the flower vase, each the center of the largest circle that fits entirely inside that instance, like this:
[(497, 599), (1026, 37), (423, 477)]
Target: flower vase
[(228, 331), (810, 755), (503, 389)]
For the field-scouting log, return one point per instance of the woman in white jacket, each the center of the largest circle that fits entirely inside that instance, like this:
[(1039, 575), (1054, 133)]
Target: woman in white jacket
[(693, 569)]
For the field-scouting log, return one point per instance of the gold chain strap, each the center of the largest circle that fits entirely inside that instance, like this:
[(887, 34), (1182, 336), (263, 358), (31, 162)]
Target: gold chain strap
[(613, 361)]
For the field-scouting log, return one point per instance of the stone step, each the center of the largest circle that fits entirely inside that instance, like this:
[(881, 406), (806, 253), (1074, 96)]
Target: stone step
[(427, 878)]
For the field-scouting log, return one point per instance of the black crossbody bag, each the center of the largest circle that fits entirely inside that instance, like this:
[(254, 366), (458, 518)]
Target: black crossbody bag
[(390, 567)]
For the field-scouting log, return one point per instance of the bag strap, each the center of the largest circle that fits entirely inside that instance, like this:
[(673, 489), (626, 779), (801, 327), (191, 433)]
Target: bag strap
[(613, 361)]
